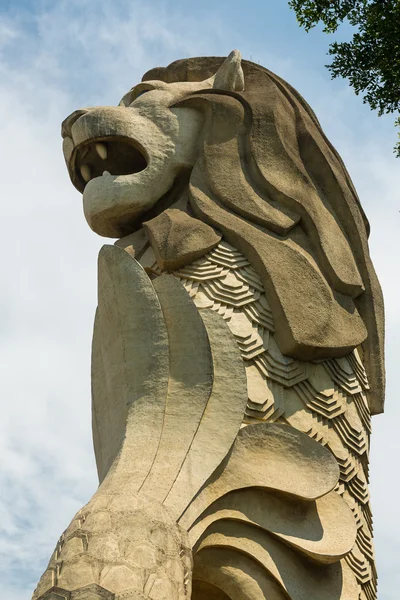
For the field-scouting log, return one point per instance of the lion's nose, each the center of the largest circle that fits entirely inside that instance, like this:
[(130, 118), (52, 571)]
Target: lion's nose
[(70, 120)]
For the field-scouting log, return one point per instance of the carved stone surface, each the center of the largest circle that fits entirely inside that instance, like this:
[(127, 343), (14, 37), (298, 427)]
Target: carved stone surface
[(56, 593), (178, 239), (237, 348)]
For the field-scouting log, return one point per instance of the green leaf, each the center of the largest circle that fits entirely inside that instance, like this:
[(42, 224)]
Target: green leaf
[(371, 59)]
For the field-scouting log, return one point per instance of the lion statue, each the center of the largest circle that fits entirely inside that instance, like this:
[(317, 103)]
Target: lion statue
[(237, 348)]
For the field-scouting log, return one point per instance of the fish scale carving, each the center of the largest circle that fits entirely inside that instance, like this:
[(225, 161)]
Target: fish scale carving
[(325, 399)]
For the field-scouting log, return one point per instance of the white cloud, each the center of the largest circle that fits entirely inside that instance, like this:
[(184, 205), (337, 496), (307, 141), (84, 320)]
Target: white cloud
[(51, 62)]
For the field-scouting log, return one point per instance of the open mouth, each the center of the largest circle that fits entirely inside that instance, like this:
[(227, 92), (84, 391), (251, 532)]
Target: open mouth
[(115, 156)]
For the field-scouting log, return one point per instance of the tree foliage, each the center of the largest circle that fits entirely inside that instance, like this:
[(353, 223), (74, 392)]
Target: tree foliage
[(371, 60)]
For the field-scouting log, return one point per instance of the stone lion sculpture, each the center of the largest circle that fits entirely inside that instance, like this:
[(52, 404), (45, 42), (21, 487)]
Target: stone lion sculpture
[(237, 348)]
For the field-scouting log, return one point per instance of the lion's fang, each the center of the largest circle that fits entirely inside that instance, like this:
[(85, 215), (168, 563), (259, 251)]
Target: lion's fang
[(85, 172), (102, 151)]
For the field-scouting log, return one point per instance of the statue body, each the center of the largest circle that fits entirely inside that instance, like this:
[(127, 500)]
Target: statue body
[(237, 348)]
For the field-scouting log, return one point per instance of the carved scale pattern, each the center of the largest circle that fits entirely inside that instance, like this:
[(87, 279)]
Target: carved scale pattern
[(327, 399)]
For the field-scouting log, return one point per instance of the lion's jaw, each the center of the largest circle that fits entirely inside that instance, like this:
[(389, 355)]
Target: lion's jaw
[(131, 156)]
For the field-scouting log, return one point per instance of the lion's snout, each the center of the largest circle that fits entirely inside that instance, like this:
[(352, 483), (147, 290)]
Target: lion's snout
[(98, 141), (66, 125)]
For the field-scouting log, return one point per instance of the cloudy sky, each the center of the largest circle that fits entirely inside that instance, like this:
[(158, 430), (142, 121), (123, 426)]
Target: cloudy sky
[(61, 55)]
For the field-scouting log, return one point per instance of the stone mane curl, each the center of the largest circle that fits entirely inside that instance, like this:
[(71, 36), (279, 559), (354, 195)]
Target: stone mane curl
[(269, 179)]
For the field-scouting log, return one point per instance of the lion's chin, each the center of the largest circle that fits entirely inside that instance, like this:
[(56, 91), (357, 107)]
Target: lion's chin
[(114, 204), (110, 207)]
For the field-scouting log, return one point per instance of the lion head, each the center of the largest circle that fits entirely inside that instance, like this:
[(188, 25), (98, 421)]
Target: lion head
[(236, 147), (125, 158)]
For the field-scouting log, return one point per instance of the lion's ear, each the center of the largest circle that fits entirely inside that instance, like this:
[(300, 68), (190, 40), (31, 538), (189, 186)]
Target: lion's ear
[(230, 75)]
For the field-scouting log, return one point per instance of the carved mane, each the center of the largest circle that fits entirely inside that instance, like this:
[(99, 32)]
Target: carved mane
[(269, 179)]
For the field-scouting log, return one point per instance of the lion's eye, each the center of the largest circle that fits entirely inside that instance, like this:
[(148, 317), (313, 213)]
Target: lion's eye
[(139, 91), (135, 92)]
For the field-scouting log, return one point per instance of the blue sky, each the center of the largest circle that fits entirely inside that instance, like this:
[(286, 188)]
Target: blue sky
[(61, 55)]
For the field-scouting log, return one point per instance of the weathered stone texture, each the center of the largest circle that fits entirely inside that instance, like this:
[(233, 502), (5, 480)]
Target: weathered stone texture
[(237, 348)]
